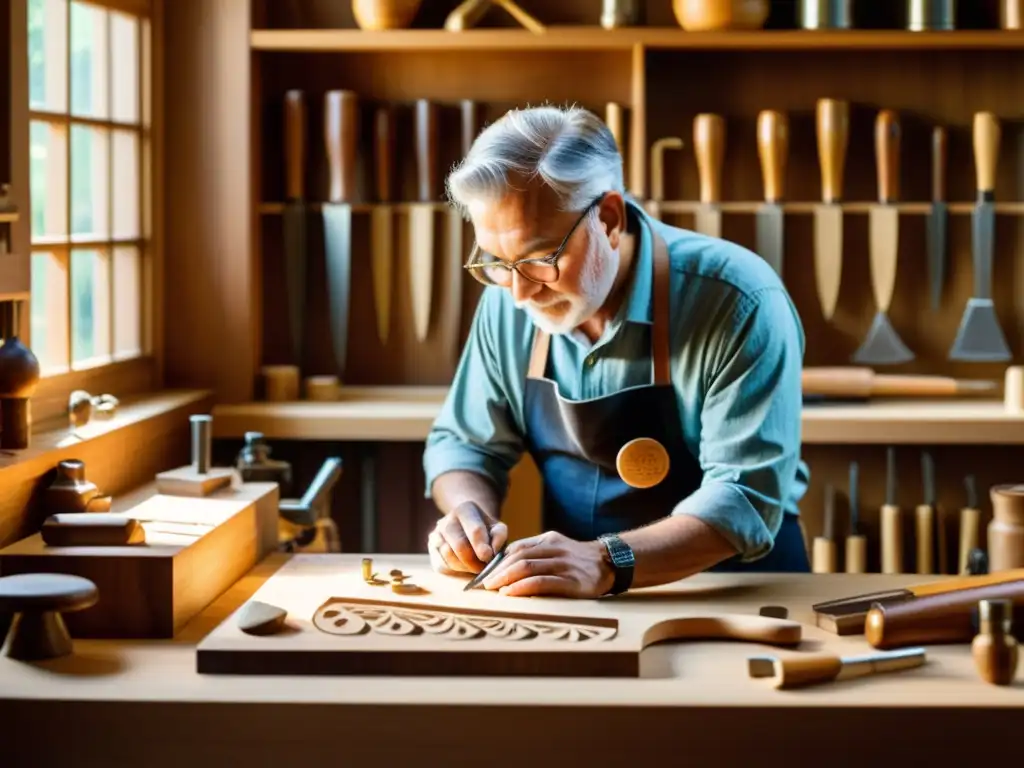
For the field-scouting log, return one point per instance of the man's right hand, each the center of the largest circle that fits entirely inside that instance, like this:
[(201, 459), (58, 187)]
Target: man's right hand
[(465, 540)]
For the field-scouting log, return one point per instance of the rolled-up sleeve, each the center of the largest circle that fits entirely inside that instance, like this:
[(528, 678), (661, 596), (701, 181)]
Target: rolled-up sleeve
[(475, 430), (751, 423)]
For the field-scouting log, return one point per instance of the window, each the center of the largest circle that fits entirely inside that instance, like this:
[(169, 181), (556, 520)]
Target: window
[(90, 185)]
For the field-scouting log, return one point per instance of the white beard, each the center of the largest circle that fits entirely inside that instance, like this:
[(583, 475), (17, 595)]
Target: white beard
[(595, 283)]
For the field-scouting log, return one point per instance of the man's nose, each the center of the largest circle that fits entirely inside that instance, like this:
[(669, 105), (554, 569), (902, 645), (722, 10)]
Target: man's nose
[(523, 289)]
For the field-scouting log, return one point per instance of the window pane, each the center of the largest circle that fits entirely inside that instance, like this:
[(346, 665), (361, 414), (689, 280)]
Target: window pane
[(90, 307), (90, 180), (48, 168), (127, 302), (124, 39), (47, 55), (49, 315), (89, 72), (126, 184)]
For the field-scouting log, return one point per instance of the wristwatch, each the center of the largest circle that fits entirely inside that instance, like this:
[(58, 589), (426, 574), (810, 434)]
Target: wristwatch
[(621, 555)]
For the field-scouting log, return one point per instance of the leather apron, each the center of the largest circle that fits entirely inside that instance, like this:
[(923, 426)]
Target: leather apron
[(575, 444)]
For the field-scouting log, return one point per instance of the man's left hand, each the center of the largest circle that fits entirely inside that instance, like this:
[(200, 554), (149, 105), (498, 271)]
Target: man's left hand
[(552, 564)]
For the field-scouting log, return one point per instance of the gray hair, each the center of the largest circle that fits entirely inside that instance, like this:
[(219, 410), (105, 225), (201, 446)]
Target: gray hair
[(570, 149)]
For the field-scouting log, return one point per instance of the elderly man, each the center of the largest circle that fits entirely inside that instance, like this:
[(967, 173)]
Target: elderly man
[(652, 373)]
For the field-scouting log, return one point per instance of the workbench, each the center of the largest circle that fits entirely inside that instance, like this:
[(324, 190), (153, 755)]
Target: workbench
[(143, 703)]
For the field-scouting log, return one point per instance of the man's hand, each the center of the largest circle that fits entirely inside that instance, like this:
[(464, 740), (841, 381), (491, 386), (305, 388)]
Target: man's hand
[(465, 540), (552, 564)]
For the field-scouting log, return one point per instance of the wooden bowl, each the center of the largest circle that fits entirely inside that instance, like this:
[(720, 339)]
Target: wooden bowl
[(709, 15), (385, 14)]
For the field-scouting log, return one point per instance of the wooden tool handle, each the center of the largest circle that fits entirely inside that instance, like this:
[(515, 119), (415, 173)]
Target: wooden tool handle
[(948, 586), (527, 20), (384, 151), (773, 150), (468, 111), (426, 150), (887, 151), (709, 144), (613, 118), (823, 555), (754, 629), (940, 151), (856, 554), (840, 381), (924, 519), (833, 118), (892, 539), (946, 618), (341, 133), (658, 164), (970, 520), (986, 151), (295, 144), (466, 15), (800, 671)]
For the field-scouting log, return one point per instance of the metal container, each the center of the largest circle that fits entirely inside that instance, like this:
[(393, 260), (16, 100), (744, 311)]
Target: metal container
[(826, 14), (928, 15), (620, 13)]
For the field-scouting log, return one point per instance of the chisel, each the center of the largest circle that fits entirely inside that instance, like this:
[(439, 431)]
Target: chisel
[(892, 524), (772, 148), (833, 127), (421, 218), (381, 219), (925, 518), (709, 145), (824, 549), (970, 521), (294, 222), (658, 172), (937, 217), (802, 670), (856, 542)]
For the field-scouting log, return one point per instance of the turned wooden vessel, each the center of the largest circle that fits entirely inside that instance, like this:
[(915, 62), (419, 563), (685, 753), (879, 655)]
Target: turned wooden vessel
[(385, 14), (708, 15), (1006, 531), (70, 491), (19, 375)]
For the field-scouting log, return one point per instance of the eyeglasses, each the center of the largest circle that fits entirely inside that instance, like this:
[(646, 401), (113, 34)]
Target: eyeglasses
[(543, 269)]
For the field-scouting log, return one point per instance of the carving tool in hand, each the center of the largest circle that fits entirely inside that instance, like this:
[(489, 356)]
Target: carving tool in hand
[(456, 257), (833, 128), (970, 521), (294, 221), (924, 515), (892, 523), (709, 144), (421, 218), (381, 219), (799, 671), (824, 549), (883, 344), (341, 125), (937, 218), (487, 569), (979, 338), (857, 382), (772, 148), (658, 172), (856, 542)]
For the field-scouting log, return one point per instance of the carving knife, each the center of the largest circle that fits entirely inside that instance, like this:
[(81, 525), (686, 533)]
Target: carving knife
[(925, 518), (421, 218), (294, 222), (892, 523), (772, 147), (486, 571), (833, 127), (970, 519), (709, 144), (824, 550), (856, 542), (937, 217), (381, 219), (340, 134), (456, 258)]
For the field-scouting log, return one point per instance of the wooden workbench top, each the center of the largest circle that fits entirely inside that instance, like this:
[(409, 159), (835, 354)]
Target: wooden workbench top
[(135, 691)]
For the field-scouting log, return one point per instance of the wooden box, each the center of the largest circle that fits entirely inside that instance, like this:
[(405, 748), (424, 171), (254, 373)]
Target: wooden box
[(195, 549)]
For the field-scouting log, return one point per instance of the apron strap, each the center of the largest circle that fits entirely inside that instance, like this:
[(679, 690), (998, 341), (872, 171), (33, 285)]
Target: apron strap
[(660, 338)]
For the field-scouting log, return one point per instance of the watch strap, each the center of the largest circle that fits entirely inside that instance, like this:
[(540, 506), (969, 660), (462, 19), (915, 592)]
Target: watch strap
[(623, 561)]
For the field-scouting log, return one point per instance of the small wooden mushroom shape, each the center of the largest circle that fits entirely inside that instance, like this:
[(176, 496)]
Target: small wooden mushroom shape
[(37, 600)]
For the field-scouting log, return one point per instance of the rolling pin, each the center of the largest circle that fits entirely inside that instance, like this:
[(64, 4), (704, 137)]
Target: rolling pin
[(824, 549), (799, 671), (863, 383), (856, 542), (892, 523), (924, 515), (970, 524), (948, 618)]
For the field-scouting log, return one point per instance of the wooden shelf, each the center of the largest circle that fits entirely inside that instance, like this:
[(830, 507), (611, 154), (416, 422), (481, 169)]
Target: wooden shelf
[(8, 217), (406, 414), (585, 38)]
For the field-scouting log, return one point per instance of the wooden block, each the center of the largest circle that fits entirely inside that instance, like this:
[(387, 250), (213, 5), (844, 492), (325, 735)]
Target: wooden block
[(340, 624), (186, 481), (195, 549)]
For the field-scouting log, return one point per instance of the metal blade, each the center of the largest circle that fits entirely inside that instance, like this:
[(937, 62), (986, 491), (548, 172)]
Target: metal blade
[(828, 255), (884, 223), (338, 247), (936, 233), (983, 226), (928, 478), (709, 220), (421, 265), (295, 274), (854, 498), (890, 476), (383, 261), (769, 235)]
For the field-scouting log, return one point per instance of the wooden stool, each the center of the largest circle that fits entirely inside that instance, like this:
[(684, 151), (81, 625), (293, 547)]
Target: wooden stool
[(37, 601)]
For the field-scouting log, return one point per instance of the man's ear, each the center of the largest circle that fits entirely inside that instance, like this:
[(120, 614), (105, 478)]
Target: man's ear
[(612, 213)]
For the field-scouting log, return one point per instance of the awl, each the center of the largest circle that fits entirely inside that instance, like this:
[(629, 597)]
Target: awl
[(772, 148)]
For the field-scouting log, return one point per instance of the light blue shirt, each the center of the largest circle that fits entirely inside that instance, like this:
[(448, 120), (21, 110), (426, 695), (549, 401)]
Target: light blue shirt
[(737, 348)]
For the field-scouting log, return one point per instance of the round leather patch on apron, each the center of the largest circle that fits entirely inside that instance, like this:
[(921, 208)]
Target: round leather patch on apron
[(642, 463)]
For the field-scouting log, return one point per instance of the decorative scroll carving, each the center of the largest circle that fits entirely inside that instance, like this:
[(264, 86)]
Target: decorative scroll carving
[(347, 617)]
